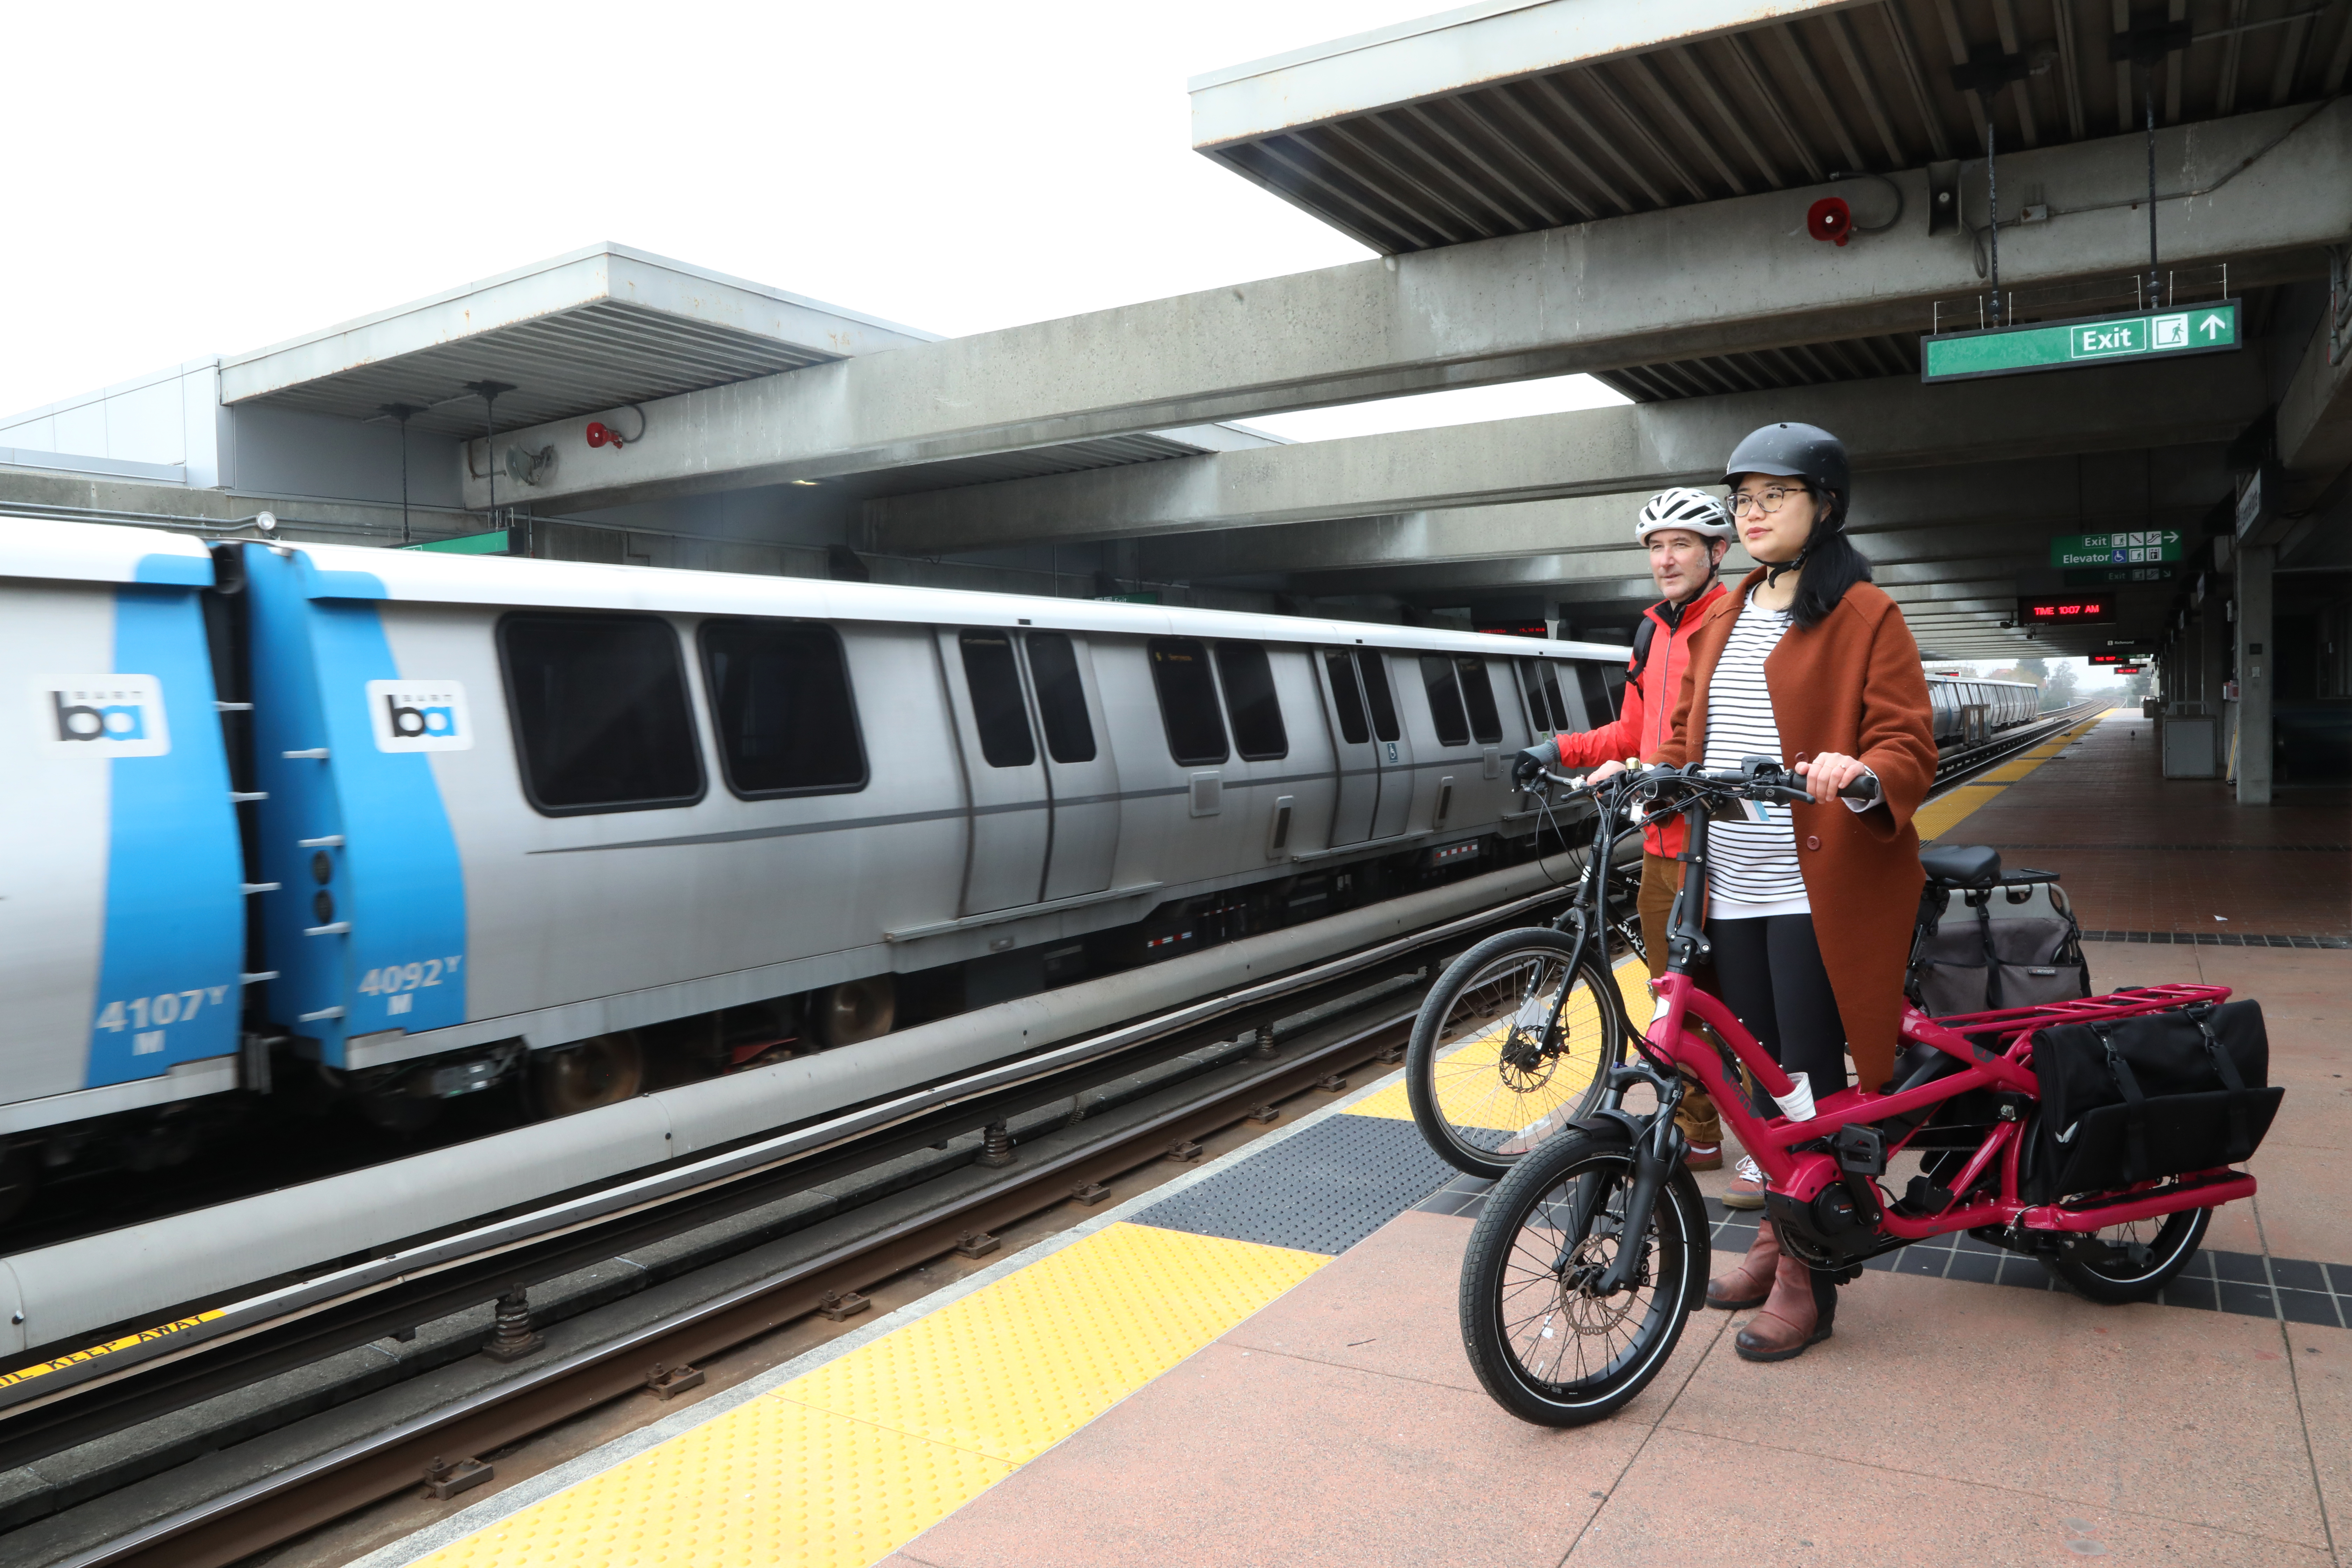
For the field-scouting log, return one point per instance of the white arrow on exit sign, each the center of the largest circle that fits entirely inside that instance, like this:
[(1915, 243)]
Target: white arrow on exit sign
[(2212, 327)]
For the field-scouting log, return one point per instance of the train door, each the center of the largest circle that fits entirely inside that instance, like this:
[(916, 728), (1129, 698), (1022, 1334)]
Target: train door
[(1011, 810), (1359, 792), (1081, 776), (1391, 747)]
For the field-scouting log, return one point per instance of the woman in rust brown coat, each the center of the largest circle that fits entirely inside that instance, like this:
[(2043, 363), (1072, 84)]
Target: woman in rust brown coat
[(1810, 911)]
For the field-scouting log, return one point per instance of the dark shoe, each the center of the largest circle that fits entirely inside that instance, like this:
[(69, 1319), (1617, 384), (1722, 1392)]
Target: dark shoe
[(1748, 1285), (1795, 1315), (1703, 1156)]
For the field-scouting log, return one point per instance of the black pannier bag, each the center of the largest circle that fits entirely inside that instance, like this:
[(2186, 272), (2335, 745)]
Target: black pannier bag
[(1965, 958), (2159, 1095)]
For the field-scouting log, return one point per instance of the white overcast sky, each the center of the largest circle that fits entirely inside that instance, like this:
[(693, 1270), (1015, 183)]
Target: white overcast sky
[(193, 179)]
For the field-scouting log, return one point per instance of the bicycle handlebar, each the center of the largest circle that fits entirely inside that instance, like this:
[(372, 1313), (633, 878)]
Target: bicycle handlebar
[(1759, 781)]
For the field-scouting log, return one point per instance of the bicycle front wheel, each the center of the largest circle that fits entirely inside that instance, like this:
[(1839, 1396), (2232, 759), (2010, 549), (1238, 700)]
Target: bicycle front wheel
[(1545, 1342), (1510, 1047)]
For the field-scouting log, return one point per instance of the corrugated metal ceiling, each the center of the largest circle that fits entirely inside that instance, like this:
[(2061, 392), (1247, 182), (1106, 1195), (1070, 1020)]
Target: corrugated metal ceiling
[(1863, 87), (597, 356)]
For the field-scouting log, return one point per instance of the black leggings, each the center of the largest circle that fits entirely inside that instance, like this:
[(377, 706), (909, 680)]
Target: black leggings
[(1768, 972)]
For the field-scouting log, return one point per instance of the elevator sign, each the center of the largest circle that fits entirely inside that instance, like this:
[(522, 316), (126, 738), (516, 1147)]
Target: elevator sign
[(2063, 345), (2125, 547)]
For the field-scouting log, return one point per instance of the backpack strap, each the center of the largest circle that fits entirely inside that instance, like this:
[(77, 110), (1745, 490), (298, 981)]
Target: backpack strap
[(2135, 1114), (1643, 635), (2241, 1143)]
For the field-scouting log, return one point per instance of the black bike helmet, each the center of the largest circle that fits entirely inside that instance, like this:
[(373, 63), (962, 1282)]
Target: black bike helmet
[(1804, 452)]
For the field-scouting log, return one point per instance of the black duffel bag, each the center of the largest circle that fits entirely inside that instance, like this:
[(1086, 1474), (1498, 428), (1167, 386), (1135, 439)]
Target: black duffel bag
[(2158, 1095)]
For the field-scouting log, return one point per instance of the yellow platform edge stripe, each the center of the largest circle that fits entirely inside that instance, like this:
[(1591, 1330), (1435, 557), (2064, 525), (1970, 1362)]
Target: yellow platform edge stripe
[(842, 1465)]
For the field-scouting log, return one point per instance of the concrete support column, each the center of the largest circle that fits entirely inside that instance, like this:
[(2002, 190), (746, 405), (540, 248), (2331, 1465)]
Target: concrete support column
[(2255, 681)]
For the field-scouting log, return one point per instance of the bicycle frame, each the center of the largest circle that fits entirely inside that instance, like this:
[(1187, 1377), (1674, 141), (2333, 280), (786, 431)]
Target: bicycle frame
[(1802, 1160)]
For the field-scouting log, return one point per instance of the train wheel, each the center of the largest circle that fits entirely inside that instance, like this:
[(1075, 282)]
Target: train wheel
[(604, 1070), (855, 1010)]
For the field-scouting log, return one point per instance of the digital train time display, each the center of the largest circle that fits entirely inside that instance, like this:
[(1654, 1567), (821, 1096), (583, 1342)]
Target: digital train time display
[(2056, 609)]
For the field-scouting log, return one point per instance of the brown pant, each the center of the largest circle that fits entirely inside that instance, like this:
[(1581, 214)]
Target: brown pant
[(1662, 878)]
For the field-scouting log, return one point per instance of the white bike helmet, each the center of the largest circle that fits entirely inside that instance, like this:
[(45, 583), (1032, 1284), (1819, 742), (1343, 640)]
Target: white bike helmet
[(1684, 507)]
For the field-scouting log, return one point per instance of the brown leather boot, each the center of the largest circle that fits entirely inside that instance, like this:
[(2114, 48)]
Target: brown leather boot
[(1797, 1314), (1748, 1285)]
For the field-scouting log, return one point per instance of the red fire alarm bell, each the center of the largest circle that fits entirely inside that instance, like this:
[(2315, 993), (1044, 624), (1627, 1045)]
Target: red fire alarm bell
[(602, 434), (1830, 218)]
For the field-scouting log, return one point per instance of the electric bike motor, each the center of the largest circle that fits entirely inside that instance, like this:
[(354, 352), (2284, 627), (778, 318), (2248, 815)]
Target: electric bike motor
[(1819, 1220)]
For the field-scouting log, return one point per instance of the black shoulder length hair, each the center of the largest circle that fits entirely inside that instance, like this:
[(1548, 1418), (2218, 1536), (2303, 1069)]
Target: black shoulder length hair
[(1831, 567)]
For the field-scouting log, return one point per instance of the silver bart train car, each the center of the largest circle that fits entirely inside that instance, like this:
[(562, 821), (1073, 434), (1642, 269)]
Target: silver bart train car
[(1969, 711), (412, 824)]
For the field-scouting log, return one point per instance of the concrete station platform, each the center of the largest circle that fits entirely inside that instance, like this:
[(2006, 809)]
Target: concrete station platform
[(1260, 1363)]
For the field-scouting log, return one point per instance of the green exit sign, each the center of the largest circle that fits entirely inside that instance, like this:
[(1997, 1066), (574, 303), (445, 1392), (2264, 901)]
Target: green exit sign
[(2124, 547), (2063, 345)]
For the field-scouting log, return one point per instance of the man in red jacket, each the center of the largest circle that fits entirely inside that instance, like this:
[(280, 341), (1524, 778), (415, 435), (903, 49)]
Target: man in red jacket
[(1688, 534)]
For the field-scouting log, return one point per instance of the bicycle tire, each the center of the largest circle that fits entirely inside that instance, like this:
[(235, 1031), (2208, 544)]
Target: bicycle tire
[(1515, 1307), (1482, 1097), (2120, 1270)]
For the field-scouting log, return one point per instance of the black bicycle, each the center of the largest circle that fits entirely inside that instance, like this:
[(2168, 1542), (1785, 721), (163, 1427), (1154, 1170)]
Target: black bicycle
[(1517, 1037)]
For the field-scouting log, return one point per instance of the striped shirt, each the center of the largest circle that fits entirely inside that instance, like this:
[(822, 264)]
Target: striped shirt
[(1751, 865)]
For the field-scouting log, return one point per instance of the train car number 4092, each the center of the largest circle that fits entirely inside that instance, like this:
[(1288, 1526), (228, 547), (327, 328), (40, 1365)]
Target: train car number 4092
[(393, 982)]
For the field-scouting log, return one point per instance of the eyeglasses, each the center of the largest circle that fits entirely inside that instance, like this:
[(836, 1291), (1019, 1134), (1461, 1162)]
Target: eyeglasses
[(1767, 500)]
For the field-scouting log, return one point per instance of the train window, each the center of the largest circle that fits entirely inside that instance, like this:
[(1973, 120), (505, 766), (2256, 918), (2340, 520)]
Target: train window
[(1251, 703), (779, 699), (994, 681), (1478, 691), (1543, 697), (1061, 698), (1445, 701), (599, 712), (1376, 695), (1600, 692), (1187, 702), (1347, 695)]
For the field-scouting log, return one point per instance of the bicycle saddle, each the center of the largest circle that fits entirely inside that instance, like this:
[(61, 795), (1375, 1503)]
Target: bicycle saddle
[(1961, 865)]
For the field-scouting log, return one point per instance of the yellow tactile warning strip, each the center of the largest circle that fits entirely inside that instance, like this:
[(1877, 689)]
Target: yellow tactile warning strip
[(836, 1468), (1632, 984), (1940, 816)]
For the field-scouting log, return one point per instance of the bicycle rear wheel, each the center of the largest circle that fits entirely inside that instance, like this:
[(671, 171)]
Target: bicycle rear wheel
[(2132, 1261), (1488, 1074), (1545, 1344)]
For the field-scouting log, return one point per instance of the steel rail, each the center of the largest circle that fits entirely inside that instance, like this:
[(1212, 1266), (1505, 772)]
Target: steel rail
[(277, 1508)]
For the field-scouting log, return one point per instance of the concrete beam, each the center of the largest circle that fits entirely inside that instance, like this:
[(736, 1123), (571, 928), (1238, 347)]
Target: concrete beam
[(1703, 280), (2314, 415), (1890, 422), (1903, 515)]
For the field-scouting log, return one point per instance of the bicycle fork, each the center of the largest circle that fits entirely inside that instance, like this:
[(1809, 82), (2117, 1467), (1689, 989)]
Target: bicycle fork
[(1658, 1148)]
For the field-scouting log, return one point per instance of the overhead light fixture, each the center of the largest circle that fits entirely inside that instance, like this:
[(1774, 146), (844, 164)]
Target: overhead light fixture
[(804, 482)]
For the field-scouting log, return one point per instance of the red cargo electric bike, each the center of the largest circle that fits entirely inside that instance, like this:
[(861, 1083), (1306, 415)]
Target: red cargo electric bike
[(2096, 1134)]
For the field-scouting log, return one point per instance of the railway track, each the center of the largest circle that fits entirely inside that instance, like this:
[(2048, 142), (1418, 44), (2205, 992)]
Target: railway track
[(1362, 1003), (283, 1506)]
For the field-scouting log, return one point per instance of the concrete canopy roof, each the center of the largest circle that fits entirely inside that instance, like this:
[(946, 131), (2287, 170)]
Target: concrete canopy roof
[(590, 330), (1519, 115)]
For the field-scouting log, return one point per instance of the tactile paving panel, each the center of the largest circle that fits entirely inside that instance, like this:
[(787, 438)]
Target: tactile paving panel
[(1322, 1191), (1008, 1371), (1459, 1096), (839, 1467), (770, 1482)]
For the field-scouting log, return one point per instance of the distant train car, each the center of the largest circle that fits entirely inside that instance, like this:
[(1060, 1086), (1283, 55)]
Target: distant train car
[(497, 818), (1970, 712)]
